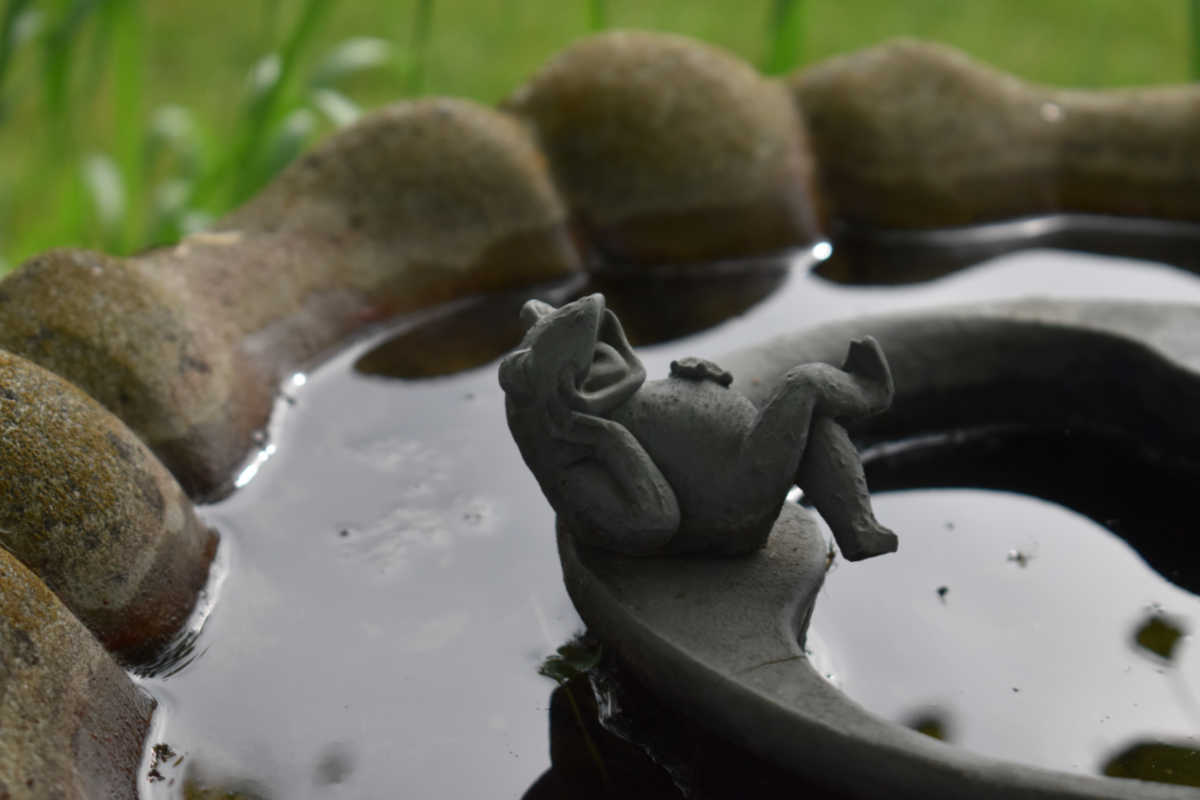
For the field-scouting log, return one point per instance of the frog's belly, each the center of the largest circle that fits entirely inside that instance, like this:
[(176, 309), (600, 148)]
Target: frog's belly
[(694, 432)]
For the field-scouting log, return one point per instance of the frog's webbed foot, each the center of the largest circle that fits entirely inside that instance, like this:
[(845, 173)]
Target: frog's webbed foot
[(867, 365)]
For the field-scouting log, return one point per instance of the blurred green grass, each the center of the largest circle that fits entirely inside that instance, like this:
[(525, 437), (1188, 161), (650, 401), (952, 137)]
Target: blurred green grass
[(125, 123)]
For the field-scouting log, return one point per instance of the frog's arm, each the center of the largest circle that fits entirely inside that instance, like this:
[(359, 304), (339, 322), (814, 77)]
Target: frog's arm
[(617, 495)]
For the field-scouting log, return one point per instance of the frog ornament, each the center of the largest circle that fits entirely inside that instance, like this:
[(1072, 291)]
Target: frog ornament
[(685, 464)]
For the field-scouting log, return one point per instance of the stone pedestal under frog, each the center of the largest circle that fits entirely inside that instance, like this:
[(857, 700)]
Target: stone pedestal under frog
[(687, 463)]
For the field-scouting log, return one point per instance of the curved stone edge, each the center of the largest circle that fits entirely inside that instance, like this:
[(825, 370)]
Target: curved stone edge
[(719, 638), (911, 134), (951, 366), (71, 722), (95, 515)]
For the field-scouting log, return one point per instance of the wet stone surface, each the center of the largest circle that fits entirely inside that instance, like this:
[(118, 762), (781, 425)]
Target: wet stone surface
[(393, 588), (91, 511), (73, 723)]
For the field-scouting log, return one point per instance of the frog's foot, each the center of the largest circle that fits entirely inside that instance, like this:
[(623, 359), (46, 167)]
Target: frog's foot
[(866, 539), (866, 363)]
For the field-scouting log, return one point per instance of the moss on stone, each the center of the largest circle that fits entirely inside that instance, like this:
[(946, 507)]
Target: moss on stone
[(416, 204), (73, 723), (92, 512), (671, 150), (912, 134)]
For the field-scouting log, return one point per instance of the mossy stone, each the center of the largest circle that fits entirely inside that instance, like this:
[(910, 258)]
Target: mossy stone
[(416, 204), (671, 151), (92, 512), (72, 724), (911, 134), (1134, 152), (143, 350)]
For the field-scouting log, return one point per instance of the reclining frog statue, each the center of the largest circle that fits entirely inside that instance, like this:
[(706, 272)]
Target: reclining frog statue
[(685, 464)]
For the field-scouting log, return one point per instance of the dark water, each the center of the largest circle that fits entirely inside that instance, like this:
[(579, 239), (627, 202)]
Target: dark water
[(391, 585), (1050, 626), (1010, 626)]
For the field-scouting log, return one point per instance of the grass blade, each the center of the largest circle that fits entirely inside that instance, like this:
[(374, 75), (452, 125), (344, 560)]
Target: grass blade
[(785, 32), (597, 15), (418, 52), (128, 89), (236, 170), (8, 33), (1194, 36)]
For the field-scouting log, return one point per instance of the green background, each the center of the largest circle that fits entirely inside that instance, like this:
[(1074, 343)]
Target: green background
[(125, 123)]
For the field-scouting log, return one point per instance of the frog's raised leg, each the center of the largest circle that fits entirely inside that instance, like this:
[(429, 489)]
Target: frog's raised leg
[(617, 498), (861, 388), (831, 476), (797, 431)]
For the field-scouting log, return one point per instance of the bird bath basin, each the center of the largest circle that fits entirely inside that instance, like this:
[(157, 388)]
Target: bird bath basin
[(386, 588), (389, 584)]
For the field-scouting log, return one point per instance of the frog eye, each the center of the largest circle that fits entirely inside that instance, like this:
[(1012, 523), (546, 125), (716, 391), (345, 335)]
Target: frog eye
[(533, 311), (514, 376)]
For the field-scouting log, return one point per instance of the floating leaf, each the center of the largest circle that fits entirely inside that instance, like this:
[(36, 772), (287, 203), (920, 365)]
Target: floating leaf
[(1156, 761), (1160, 635), (572, 660)]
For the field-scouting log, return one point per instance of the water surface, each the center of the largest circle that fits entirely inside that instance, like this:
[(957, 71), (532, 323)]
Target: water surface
[(393, 586)]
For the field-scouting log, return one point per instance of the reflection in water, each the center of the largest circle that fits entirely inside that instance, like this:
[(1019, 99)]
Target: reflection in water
[(652, 309), (1146, 498), (603, 725), (871, 256), (393, 584), (1035, 647)]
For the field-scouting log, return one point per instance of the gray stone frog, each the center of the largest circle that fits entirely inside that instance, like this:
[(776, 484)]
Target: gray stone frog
[(685, 464)]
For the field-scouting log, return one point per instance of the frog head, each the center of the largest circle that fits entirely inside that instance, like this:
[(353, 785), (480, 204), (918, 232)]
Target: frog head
[(576, 355)]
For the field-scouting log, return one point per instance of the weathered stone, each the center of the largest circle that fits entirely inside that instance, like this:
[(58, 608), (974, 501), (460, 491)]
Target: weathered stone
[(145, 351), (416, 204), (91, 511), (911, 134), (670, 150), (72, 722)]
